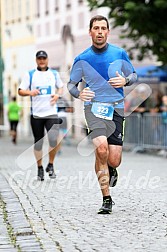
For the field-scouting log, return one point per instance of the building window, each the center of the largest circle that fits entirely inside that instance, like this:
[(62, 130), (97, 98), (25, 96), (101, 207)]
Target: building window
[(38, 8), (80, 2), (57, 26), (12, 11), (27, 10), (47, 29), (19, 10), (8, 32), (15, 88), (9, 85), (66, 33), (14, 61), (6, 11), (81, 21), (69, 20), (68, 4), (38, 31), (46, 7), (56, 5)]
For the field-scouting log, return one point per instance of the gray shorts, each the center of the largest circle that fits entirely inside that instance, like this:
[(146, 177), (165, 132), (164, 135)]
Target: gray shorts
[(113, 130), (63, 125)]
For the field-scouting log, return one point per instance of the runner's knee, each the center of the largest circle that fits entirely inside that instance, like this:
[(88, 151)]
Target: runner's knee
[(38, 144)]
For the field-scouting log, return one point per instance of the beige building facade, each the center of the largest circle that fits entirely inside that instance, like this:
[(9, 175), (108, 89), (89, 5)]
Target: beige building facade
[(18, 44)]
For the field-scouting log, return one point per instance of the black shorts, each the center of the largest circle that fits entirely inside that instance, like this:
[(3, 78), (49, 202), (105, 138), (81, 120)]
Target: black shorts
[(13, 125), (51, 124), (113, 130)]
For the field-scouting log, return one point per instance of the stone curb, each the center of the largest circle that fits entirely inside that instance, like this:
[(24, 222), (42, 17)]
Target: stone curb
[(22, 234)]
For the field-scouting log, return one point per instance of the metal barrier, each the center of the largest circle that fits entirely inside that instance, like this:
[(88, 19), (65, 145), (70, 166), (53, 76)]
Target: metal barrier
[(145, 131)]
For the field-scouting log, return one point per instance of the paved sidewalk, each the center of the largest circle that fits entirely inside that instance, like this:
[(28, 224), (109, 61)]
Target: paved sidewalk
[(61, 214)]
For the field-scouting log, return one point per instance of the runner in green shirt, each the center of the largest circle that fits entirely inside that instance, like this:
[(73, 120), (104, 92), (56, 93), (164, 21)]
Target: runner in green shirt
[(14, 112)]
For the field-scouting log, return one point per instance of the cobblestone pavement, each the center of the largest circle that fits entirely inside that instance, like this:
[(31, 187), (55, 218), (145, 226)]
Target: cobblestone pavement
[(61, 214)]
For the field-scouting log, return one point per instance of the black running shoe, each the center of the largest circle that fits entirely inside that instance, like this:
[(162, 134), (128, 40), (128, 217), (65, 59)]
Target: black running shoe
[(106, 207), (40, 175), (113, 176), (50, 171)]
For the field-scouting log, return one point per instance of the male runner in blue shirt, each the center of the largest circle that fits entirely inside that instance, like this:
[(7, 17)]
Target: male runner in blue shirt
[(105, 69)]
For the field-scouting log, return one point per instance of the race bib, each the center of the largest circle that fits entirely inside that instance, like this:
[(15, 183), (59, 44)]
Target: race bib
[(103, 110), (45, 90)]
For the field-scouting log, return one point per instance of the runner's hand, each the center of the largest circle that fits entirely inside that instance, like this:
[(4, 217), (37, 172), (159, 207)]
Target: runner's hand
[(118, 81), (54, 99), (34, 92), (86, 94)]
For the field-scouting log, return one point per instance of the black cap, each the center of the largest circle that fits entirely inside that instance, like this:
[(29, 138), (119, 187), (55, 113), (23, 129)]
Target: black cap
[(41, 54)]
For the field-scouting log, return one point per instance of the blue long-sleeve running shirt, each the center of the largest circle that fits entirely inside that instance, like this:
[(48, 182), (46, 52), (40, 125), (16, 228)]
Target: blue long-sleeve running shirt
[(95, 67)]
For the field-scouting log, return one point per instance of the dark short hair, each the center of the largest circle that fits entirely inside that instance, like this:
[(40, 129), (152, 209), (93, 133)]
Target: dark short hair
[(14, 98), (98, 18)]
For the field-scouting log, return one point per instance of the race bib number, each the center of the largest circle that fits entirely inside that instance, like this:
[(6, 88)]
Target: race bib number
[(45, 90), (103, 110)]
